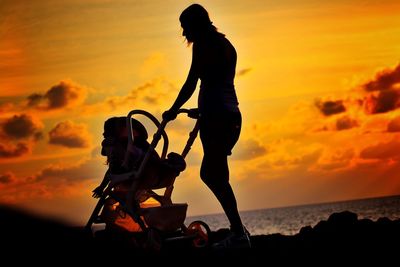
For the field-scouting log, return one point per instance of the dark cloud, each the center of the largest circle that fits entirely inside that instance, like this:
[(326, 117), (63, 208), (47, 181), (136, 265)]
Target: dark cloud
[(60, 95), (323, 128), (38, 136), (382, 151), (329, 108), (248, 149), (34, 99), (11, 151), (70, 135), (385, 80), (394, 125), (64, 94), (243, 72), (382, 102), (15, 129), (7, 178), (382, 95), (21, 127), (345, 123)]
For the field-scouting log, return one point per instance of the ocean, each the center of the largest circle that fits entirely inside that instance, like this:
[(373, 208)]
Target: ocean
[(289, 220)]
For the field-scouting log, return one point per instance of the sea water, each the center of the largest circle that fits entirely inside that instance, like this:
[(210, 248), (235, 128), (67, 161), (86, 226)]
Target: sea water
[(289, 220)]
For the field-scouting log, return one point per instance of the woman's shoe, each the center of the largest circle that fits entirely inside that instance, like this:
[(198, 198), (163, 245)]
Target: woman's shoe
[(233, 241)]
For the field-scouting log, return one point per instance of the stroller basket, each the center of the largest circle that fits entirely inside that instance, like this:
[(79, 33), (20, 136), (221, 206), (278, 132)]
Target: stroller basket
[(165, 218)]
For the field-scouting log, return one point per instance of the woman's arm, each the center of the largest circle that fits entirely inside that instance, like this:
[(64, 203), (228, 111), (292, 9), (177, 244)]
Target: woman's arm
[(188, 87)]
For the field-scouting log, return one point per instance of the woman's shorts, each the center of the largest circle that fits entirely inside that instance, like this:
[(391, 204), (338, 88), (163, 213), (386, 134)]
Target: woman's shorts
[(219, 132)]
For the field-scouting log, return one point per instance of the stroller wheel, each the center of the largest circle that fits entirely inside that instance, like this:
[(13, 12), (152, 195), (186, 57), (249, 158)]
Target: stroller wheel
[(200, 232)]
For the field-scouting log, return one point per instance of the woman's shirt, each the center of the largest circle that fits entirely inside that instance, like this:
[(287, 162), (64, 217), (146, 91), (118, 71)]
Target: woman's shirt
[(215, 61)]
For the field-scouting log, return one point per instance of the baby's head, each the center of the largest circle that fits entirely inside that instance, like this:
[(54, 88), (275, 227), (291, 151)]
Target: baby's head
[(115, 140)]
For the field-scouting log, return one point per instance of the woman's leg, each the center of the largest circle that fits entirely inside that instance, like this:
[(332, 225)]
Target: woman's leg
[(219, 134), (215, 174)]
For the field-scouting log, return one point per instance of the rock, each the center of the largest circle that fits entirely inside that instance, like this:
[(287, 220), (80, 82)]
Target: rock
[(340, 239)]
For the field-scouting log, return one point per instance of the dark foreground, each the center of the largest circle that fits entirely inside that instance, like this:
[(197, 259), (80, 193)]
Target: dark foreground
[(342, 239)]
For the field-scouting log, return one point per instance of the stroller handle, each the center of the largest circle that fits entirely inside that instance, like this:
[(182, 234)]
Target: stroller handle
[(157, 136), (192, 113)]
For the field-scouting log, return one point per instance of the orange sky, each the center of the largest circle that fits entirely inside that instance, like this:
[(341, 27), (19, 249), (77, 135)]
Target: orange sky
[(318, 85)]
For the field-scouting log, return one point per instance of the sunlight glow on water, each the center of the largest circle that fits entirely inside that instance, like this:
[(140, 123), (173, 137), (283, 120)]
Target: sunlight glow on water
[(289, 220)]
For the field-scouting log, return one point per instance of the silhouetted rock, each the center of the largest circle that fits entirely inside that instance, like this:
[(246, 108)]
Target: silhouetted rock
[(341, 239), (344, 218)]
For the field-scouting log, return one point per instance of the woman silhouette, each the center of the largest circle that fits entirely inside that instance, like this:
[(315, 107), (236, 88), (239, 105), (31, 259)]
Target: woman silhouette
[(214, 63)]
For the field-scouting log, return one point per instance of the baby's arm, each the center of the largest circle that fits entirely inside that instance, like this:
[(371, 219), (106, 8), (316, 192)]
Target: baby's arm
[(98, 191)]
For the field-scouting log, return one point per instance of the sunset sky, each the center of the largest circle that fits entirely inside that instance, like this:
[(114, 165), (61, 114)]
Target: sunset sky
[(318, 84)]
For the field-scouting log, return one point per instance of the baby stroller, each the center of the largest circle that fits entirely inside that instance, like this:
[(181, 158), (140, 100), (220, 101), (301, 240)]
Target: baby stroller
[(125, 191)]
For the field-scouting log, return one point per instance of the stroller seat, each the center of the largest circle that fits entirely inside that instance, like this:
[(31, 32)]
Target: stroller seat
[(124, 160)]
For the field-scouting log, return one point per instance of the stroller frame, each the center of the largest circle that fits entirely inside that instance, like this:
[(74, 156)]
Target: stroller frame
[(198, 231)]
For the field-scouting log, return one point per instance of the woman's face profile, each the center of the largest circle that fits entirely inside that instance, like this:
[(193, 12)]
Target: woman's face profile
[(187, 32)]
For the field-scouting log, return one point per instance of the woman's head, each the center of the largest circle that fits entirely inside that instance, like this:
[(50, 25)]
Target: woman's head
[(195, 22)]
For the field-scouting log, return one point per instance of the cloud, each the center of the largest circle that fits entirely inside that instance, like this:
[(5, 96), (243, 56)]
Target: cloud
[(34, 99), (286, 154), (11, 151), (64, 94), (7, 178), (143, 92), (380, 95), (345, 123), (307, 186), (382, 102), (385, 80), (53, 182), (85, 170), (382, 151), (154, 93), (298, 159), (18, 133), (384, 94), (333, 160), (243, 72), (21, 127), (329, 108), (248, 149), (70, 135), (394, 125), (67, 94)]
